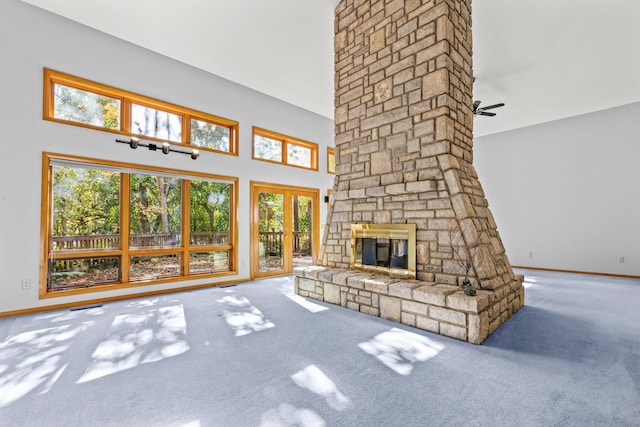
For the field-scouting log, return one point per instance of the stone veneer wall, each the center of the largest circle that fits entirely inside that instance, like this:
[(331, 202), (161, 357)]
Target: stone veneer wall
[(403, 123)]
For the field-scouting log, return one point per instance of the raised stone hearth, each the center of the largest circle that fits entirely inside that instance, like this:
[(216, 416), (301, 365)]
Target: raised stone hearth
[(403, 147), (443, 309)]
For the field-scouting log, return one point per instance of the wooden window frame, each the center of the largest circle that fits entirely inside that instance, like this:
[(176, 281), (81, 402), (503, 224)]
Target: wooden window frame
[(123, 251), (52, 77), (286, 141)]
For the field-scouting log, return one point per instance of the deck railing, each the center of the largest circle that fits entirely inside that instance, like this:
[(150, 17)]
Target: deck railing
[(272, 241), (112, 241)]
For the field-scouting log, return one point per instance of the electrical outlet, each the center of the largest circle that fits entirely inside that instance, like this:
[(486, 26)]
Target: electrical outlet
[(530, 254), (621, 259), (26, 284)]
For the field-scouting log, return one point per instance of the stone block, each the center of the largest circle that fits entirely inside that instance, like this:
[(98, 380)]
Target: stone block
[(305, 284), (327, 274), (447, 315), (369, 310), (341, 277), (453, 331), (343, 298), (363, 300), (483, 263), (422, 186), (435, 148), (383, 90), (381, 162), (463, 206), (395, 189), (445, 29), (431, 294), (452, 179), (478, 330), (408, 319), (428, 324), (356, 281), (353, 306), (415, 307), (471, 304), (377, 40), (332, 293), (316, 296), (435, 83), (403, 289), (390, 308), (379, 284)]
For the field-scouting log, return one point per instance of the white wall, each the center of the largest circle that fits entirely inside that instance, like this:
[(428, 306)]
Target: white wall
[(567, 191), (30, 39)]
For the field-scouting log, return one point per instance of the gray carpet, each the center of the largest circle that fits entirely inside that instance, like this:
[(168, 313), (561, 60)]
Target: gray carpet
[(257, 355)]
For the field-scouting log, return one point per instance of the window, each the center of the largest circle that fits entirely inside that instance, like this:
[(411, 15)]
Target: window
[(331, 160), (85, 107), (111, 224), (154, 123), (274, 147), (79, 102)]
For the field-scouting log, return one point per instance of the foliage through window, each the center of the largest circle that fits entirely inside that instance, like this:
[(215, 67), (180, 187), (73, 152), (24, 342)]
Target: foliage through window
[(86, 107), (274, 147), (151, 122), (108, 224), (331, 160), (75, 101)]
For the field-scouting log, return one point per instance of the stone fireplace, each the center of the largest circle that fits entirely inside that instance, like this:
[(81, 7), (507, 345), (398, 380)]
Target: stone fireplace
[(403, 146)]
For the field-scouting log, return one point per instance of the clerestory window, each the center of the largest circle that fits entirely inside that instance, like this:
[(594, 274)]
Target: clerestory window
[(79, 102), (274, 147)]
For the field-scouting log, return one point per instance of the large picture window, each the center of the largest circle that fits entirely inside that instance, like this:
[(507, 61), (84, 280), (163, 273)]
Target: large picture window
[(111, 224), (274, 147), (79, 102)]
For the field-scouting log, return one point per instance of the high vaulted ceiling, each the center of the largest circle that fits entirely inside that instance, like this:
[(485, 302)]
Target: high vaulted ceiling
[(545, 59)]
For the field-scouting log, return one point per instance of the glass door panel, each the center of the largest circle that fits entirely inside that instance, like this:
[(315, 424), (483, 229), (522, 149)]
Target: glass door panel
[(271, 223), (302, 229)]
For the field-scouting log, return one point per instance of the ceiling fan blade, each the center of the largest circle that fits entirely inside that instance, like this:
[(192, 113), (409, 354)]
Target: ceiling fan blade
[(476, 104), (486, 113), (491, 106)]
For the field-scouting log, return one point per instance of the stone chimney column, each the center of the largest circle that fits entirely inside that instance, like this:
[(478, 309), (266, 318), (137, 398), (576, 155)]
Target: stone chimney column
[(404, 136)]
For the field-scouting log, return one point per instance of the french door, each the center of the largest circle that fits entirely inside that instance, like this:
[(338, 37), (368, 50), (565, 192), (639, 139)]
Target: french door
[(284, 228)]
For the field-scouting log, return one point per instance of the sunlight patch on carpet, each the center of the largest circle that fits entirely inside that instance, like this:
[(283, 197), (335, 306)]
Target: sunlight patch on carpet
[(287, 289), (312, 307), (138, 338), (399, 349), (287, 415), (34, 359), (243, 317), (314, 380)]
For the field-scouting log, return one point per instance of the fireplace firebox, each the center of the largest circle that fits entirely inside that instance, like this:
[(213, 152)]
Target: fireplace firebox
[(388, 249)]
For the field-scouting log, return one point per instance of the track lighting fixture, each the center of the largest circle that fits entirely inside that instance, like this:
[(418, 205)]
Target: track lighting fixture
[(165, 147)]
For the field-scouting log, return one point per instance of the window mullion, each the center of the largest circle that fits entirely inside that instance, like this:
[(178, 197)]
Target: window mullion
[(186, 218), (186, 129), (285, 154), (125, 211), (125, 115)]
